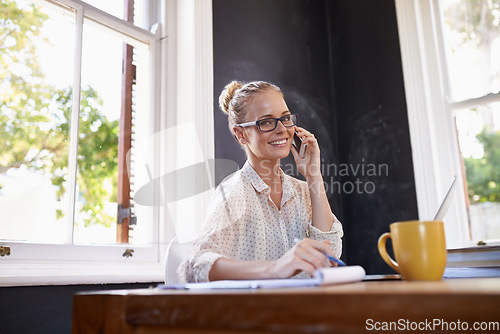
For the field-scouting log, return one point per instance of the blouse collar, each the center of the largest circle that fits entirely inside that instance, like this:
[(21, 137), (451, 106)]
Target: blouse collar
[(260, 186)]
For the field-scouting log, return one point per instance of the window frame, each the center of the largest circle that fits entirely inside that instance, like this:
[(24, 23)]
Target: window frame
[(40, 264), (435, 150), (124, 201)]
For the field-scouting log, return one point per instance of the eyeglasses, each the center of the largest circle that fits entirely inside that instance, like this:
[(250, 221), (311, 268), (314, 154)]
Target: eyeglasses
[(269, 124)]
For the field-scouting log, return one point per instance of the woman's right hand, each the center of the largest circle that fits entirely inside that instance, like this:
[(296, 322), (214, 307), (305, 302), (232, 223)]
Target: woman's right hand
[(306, 255)]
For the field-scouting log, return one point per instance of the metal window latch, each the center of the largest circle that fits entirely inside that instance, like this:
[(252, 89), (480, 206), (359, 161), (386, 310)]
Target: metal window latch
[(129, 252), (4, 251), (126, 213)]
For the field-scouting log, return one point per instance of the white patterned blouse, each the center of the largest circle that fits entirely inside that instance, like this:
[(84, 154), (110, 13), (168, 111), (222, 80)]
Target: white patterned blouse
[(243, 223)]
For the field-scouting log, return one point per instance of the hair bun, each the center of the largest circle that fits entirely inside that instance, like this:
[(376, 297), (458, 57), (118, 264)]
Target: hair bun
[(227, 94)]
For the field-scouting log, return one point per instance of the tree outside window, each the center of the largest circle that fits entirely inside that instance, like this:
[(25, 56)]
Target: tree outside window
[(35, 123)]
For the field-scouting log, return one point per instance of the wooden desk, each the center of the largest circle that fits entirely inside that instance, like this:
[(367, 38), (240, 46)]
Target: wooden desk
[(344, 308)]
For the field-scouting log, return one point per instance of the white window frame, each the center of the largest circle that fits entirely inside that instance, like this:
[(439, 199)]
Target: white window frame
[(433, 136), (186, 22)]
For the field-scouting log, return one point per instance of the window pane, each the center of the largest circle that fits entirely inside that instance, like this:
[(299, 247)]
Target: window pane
[(479, 139), (99, 130), (472, 37), (36, 73), (117, 8), (472, 40)]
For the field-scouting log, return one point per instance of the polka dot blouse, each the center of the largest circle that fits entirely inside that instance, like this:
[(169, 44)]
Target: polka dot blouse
[(243, 223)]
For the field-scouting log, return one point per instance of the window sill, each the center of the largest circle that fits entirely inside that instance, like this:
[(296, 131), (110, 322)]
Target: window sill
[(63, 273)]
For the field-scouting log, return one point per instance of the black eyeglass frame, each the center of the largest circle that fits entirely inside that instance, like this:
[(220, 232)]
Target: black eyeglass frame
[(293, 118)]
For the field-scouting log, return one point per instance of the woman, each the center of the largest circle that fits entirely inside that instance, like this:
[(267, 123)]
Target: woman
[(261, 222)]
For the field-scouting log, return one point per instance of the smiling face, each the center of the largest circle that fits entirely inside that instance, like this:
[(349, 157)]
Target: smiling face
[(266, 146)]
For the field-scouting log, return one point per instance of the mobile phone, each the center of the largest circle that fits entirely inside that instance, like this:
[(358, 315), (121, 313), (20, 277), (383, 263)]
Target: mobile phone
[(301, 148)]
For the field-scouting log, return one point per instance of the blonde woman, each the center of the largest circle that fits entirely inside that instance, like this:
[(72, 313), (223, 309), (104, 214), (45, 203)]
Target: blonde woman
[(261, 222)]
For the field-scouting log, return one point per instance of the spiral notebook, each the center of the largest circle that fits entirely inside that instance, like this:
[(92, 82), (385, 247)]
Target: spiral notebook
[(324, 276)]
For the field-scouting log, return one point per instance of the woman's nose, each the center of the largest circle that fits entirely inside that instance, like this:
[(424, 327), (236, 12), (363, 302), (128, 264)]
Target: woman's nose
[(280, 127)]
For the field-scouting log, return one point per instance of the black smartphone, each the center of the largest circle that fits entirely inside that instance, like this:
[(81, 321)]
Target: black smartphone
[(301, 148)]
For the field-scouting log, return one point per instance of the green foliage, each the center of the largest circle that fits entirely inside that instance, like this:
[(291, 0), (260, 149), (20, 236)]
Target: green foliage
[(483, 175), (35, 119), (97, 160), (23, 98)]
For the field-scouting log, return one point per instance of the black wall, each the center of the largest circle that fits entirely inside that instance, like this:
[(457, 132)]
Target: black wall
[(339, 66)]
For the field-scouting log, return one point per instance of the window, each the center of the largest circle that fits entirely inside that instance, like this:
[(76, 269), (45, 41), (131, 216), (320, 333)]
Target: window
[(32, 131), (170, 105), (472, 44), (118, 7), (438, 92), (66, 132), (77, 94)]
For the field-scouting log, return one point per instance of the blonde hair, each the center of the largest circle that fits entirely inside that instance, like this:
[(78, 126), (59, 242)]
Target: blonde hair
[(236, 95)]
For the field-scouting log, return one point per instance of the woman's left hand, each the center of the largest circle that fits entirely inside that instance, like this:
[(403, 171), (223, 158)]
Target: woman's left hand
[(310, 164)]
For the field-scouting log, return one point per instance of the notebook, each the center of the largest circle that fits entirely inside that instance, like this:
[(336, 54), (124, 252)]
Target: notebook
[(323, 276)]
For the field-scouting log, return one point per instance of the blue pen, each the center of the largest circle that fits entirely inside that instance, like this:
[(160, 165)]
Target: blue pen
[(331, 258), (338, 261)]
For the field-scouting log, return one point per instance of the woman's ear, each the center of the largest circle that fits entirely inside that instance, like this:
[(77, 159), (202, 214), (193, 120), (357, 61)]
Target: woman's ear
[(239, 134)]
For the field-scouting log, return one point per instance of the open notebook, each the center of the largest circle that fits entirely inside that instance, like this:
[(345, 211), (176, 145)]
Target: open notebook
[(324, 276)]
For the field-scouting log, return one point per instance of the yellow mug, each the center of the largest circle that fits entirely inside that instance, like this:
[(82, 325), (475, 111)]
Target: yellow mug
[(419, 248)]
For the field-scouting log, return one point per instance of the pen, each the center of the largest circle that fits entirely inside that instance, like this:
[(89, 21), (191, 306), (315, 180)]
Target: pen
[(331, 258), (338, 261)]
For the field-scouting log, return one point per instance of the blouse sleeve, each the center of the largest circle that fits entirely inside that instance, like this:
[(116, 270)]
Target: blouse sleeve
[(205, 251), (334, 235), (218, 238), (196, 268)]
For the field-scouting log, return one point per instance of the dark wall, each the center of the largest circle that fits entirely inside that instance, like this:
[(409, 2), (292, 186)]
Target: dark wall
[(371, 106), (285, 42), (339, 66), (44, 309)]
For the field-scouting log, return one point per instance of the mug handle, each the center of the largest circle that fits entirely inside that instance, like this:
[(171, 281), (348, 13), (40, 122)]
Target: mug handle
[(383, 251)]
